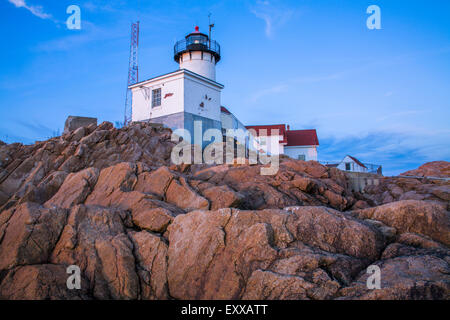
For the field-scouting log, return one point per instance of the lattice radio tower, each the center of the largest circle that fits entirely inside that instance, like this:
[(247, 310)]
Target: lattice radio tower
[(133, 71)]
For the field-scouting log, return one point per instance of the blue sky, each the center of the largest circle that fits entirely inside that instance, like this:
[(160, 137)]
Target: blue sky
[(382, 96)]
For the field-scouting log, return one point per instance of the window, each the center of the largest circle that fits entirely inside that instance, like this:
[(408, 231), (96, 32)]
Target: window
[(301, 157), (156, 98), (348, 166)]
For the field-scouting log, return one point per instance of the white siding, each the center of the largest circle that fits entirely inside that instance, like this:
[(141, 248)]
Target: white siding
[(272, 144), (194, 62), (354, 167), (197, 91), (172, 98), (180, 92), (310, 152)]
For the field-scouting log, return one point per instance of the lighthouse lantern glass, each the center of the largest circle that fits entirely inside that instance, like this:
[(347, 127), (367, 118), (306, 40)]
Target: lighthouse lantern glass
[(197, 39)]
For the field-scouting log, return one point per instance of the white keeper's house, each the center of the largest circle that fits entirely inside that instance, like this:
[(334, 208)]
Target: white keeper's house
[(280, 139), (191, 93)]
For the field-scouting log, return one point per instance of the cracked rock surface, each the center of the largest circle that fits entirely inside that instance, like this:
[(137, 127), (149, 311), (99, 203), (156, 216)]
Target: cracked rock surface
[(109, 201)]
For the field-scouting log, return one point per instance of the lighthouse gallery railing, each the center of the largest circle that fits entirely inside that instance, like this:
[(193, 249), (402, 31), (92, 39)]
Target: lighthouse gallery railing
[(197, 43)]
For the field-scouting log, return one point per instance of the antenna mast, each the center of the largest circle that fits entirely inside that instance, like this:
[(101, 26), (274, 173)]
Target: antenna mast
[(133, 71), (211, 25)]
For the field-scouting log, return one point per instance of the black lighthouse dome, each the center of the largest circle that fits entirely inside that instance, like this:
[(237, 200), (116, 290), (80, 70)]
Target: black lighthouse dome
[(196, 41)]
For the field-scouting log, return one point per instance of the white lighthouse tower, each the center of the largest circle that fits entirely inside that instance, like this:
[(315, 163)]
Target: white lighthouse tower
[(190, 94), (198, 53)]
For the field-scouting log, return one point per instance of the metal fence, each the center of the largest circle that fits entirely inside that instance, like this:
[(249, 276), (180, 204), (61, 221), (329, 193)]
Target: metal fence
[(371, 168)]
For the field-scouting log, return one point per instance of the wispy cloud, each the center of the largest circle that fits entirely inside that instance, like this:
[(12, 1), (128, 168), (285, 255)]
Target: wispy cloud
[(288, 84), (400, 114), (395, 151), (38, 11), (89, 34), (35, 126), (268, 91), (102, 6), (274, 16)]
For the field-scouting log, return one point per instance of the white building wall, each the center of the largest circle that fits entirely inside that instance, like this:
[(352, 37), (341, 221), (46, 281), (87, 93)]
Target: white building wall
[(204, 65), (172, 98), (180, 92), (310, 152), (354, 167), (271, 144), (281, 148), (197, 92)]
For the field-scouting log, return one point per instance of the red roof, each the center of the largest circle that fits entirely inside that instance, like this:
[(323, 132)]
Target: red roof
[(357, 161), (224, 110), (302, 138), (270, 130)]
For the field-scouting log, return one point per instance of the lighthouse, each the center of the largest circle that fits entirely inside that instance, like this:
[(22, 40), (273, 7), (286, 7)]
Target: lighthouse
[(198, 53), (187, 95)]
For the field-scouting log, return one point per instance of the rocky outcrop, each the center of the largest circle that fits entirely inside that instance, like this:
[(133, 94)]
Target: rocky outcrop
[(398, 189), (420, 217), (431, 169), (432, 187), (75, 189), (95, 240), (110, 202), (405, 278), (39, 282), (181, 195), (249, 254), (23, 168), (336, 232), (150, 251), (28, 234)]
